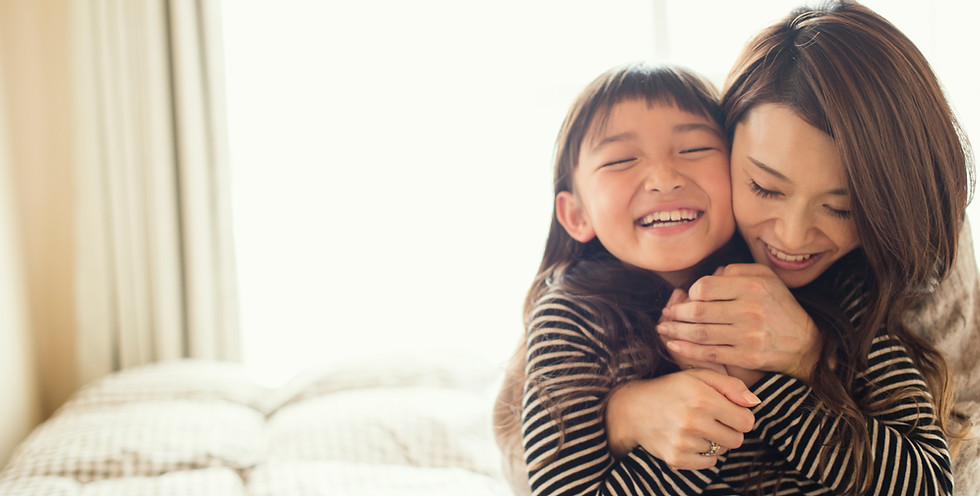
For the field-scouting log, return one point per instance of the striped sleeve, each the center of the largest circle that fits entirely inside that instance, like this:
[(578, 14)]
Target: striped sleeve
[(567, 370), (910, 455)]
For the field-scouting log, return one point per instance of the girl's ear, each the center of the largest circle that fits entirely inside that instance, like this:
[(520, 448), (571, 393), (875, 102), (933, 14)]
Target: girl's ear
[(572, 217)]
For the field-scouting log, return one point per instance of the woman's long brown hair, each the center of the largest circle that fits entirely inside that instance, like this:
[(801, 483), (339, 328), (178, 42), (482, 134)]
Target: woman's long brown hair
[(850, 73)]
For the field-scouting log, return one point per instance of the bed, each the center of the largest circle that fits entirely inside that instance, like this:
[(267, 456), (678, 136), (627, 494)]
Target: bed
[(194, 427)]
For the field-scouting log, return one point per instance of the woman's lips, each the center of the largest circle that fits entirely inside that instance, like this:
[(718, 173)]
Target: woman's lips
[(789, 261)]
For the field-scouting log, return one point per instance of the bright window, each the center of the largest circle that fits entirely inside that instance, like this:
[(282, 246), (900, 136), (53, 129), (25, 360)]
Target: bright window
[(392, 160)]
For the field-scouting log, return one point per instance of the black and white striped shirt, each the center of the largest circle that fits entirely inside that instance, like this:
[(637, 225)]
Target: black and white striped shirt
[(910, 453)]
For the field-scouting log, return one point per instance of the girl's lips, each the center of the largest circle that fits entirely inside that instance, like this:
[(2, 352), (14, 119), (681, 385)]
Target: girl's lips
[(669, 215), (668, 222), (788, 261)]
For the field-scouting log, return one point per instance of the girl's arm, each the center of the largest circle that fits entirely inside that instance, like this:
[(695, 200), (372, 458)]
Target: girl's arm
[(910, 454), (566, 367)]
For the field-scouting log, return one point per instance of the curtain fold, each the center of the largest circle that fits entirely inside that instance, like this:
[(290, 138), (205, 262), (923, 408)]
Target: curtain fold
[(155, 258)]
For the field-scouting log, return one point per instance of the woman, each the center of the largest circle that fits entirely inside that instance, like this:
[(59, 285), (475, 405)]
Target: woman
[(841, 134), (875, 108)]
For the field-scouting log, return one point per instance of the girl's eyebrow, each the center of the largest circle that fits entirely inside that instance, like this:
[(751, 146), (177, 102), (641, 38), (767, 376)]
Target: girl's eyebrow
[(680, 128), (779, 175), (697, 126), (614, 138)]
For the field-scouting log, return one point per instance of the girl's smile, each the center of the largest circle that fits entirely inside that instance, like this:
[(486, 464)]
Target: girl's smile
[(670, 218)]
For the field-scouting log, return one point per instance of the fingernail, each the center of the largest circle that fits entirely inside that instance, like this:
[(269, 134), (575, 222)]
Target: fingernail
[(751, 398), (662, 329), (673, 346)]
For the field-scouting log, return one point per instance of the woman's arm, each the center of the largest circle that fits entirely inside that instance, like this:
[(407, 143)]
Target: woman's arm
[(909, 452), (906, 439), (566, 368)]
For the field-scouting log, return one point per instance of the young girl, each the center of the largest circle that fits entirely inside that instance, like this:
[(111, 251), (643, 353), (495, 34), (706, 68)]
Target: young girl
[(624, 190), (642, 206)]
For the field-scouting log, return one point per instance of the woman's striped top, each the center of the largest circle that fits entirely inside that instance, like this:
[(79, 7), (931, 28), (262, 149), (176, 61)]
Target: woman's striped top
[(910, 454)]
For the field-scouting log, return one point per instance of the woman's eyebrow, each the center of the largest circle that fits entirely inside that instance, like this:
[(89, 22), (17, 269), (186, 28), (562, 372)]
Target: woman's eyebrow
[(775, 173)]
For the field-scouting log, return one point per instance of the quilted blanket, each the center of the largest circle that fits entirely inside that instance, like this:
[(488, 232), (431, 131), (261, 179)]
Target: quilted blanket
[(205, 428)]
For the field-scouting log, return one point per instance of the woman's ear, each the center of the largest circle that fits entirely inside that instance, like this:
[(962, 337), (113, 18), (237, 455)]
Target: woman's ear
[(572, 217)]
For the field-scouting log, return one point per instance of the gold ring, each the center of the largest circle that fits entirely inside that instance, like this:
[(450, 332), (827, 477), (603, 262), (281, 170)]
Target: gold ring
[(713, 450)]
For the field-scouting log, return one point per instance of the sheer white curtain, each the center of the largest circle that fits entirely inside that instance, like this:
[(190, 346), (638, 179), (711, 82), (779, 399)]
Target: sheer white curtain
[(391, 160), (18, 380), (154, 255)]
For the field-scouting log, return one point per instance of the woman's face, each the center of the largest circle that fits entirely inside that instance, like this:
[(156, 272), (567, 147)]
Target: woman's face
[(789, 195)]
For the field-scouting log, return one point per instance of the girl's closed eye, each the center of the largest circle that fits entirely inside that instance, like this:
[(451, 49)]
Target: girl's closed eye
[(697, 149), (762, 192), (619, 162)]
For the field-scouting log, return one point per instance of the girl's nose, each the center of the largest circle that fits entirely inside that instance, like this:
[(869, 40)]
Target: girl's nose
[(662, 177)]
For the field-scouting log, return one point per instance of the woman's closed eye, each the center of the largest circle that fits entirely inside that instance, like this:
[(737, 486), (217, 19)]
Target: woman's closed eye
[(839, 213), (762, 192)]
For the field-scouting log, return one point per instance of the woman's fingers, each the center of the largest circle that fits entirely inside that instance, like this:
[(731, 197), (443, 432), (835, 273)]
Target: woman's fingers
[(688, 352), (701, 333), (687, 363)]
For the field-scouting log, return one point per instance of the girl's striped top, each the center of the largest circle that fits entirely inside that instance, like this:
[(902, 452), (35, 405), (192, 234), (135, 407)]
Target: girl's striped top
[(910, 453)]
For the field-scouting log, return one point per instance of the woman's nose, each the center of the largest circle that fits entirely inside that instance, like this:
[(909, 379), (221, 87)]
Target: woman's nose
[(793, 228)]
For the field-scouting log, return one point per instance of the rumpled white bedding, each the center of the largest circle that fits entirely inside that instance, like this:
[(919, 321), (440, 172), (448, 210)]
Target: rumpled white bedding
[(205, 428)]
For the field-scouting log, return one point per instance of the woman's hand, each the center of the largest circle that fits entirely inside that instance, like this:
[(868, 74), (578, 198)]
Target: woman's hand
[(677, 416), (743, 316), (683, 362)]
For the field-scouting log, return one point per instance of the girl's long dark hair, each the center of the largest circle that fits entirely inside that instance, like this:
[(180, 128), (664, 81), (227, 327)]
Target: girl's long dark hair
[(850, 73), (624, 302)]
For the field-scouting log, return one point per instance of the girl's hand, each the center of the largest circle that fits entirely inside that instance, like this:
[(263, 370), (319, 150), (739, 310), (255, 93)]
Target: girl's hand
[(675, 417), (744, 316)]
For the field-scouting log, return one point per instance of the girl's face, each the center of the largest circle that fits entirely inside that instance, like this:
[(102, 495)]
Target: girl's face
[(789, 194), (654, 187)]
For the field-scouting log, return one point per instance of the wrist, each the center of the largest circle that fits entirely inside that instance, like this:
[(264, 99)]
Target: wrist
[(618, 423), (811, 356)]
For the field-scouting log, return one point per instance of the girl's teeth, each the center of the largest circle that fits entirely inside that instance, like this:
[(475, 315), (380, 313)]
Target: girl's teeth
[(787, 258), (669, 217)]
